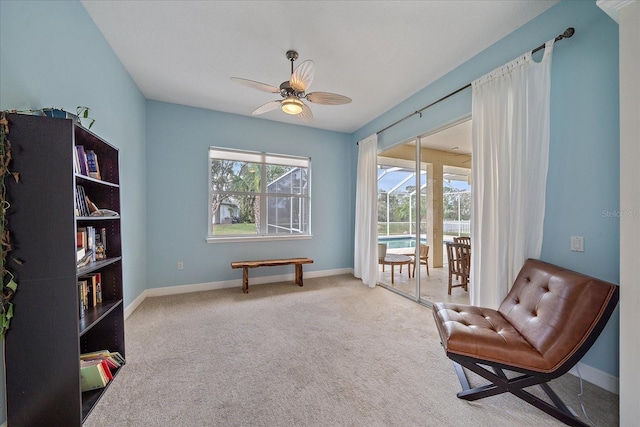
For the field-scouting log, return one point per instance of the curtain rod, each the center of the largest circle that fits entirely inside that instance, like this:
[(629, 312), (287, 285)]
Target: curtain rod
[(567, 33)]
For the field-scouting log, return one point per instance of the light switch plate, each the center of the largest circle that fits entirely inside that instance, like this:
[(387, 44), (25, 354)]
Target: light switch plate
[(577, 244)]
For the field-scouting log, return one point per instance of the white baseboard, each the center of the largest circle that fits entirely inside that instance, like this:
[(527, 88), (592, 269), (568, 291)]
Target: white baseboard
[(597, 377), (237, 283), (132, 307)]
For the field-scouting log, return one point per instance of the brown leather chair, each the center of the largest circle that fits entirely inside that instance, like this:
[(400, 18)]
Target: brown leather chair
[(546, 323)]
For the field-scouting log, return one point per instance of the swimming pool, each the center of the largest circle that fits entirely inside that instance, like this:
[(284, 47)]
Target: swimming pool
[(395, 242)]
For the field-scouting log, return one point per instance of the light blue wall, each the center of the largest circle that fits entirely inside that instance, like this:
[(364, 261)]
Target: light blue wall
[(54, 55), (177, 198), (51, 54), (583, 178)]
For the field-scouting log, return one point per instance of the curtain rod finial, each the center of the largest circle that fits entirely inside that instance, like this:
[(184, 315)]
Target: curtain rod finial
[(568, 32)]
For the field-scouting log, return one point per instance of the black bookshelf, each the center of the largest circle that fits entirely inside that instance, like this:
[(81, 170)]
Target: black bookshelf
[(48, 334)]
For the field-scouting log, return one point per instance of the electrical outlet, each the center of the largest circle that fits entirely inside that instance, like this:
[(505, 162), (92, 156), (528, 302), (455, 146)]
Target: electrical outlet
[(577, 244), (180, 265)]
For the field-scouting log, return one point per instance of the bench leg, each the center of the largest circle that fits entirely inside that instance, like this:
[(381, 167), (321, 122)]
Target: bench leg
[(299, 274), (245, 280)]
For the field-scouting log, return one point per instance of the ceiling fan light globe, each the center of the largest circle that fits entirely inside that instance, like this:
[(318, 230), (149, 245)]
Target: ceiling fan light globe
[(292, 106)]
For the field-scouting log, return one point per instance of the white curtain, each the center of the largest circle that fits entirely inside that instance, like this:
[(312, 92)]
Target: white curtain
[(510, 131), (365, 260)]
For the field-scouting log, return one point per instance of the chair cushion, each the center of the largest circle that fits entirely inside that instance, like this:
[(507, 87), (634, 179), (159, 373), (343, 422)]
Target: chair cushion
[(485, 334)]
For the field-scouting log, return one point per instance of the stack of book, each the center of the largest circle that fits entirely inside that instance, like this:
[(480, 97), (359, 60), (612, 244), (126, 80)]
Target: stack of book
[(84, 206), (86, 162), (89, 291), (97, 368), (91, 244)]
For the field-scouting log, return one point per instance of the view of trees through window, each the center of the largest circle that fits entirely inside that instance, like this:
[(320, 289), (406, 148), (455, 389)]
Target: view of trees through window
[(456, 207), (257, 193), (394, 216), (397, 203)]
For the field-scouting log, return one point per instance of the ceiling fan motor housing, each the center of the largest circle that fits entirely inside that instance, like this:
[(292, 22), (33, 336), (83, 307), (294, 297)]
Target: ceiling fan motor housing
[(286, 90)]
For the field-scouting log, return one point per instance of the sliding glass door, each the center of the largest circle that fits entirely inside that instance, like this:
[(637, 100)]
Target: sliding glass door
[(401, 190), (423, 202)]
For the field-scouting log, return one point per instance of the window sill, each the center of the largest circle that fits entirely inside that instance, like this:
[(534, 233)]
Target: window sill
[(237, 239)]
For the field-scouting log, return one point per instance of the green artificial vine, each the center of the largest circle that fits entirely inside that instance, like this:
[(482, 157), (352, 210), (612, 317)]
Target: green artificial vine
[(9, 285)]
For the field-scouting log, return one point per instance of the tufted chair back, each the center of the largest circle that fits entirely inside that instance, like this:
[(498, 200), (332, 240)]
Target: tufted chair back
[(556, 309)]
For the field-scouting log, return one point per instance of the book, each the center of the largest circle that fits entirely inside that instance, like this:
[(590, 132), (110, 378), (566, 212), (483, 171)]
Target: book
[(76, 201), (81, 237), (107, 369), (90, 205), (118, 357), (82, 291), (94, 287), (98, 288), (83, 207), (91, 292), (113, 359), (103, 239), (80, 252), (76, 161), (82, 160), (86, 259), (92, 164), (92, 375), (81, 306), (110, 362), (91, 242)]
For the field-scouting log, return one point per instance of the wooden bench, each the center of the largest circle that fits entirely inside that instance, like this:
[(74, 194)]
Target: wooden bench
[(246, 265)]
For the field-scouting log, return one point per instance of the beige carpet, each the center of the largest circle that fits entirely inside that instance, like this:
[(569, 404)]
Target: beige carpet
[(332, 353)]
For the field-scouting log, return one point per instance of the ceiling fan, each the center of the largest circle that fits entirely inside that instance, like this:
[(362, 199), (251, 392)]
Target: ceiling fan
[(293, 91)]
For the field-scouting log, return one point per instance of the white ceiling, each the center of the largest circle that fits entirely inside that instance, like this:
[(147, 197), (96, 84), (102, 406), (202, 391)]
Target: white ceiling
[(378, 53), (456, 139)]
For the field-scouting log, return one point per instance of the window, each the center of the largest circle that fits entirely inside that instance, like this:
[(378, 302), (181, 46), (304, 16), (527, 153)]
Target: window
[(255, 195)]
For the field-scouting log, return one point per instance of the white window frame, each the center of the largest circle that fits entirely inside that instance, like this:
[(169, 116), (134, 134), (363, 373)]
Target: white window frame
[(263, 159)]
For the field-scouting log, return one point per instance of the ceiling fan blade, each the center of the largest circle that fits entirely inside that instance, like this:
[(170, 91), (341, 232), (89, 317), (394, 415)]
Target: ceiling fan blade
[(271, 105), (256, 85), (303, 76), (306, 115), (327, 98)]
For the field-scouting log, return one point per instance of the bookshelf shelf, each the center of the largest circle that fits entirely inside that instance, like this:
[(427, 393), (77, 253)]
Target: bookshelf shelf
[(87, 179), (97, 265), (94, 315), (97, 218), (48, 315)]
